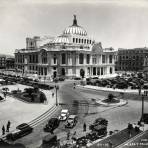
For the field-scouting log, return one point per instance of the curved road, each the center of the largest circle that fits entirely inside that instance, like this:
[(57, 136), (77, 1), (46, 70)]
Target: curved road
[(77, 100)]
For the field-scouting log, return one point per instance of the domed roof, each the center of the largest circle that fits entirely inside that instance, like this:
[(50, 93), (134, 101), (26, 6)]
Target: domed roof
[(61, 39), (75, 29)]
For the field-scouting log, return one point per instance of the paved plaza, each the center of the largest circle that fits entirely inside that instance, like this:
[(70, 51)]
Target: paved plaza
[(18, 111)]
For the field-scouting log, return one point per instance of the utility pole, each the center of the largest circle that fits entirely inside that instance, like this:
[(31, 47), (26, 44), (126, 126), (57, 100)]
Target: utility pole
[(142, 108), (56, 87)]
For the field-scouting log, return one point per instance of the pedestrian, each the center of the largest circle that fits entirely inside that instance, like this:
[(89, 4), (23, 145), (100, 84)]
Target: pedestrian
[(139, 91), (51, 132), (8, 126), (3, 130), (74, 136), (68, 135), (5, 95), (74, 85), (84, 127), (52, 94)]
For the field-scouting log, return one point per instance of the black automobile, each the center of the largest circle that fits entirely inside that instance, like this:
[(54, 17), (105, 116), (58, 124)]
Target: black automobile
[(52, 124), (20, 131), (98, 121)]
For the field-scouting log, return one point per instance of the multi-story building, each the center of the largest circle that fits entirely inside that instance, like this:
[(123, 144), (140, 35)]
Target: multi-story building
[(10, 63), (6, 62), (2, 61), (131, 59), (67, 55)]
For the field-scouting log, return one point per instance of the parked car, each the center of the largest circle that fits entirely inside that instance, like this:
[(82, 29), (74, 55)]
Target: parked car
[(20, 131), (98, 121), (71, 121), (52, 124), (64, 114), (49, 141)]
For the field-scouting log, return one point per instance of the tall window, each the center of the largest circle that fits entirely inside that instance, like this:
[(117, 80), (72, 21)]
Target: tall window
[(44, 57), (54, 60), (79, 40), (76, 40), (110, 58), (111, 70), (103, 58), (73, 40), (81, 58), (94, 61), (87, 58), (63, 58)]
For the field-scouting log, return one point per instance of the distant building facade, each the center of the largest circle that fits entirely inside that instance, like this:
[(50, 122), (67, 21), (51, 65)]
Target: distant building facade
[(131, 59), (7, 62), (10, 63), (69, 55)]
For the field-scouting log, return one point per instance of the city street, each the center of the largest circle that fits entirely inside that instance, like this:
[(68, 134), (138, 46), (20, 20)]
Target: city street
[(118, 117)]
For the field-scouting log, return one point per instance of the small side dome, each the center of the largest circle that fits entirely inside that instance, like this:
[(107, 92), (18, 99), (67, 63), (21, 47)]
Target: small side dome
[(61, 39)]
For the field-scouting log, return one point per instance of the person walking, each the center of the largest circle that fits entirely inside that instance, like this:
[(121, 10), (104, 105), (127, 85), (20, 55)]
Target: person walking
[(3, 130), (68, 135), (84, 127), (52, 94), (8, 126)]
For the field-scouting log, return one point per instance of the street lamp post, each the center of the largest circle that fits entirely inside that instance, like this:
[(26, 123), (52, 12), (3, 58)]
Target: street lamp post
[(142, 108), (56, 88), (145, 94)]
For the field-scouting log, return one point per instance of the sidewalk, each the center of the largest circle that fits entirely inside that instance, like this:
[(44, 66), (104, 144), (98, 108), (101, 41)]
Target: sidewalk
[(18, 111), (132, 91)]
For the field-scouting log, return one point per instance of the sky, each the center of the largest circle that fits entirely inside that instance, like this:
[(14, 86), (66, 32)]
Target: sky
[(115, 23)]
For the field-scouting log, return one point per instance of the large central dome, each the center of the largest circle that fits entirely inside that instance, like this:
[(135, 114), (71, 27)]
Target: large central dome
[(75, 29)]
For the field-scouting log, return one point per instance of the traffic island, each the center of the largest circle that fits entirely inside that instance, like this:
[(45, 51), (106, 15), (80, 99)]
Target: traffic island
[(29, 95), (112, 101)]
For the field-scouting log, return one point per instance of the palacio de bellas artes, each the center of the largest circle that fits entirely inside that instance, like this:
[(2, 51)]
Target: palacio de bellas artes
[(69, 54)]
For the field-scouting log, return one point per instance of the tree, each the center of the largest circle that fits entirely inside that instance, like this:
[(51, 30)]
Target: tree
[(110, 97), (82, 73)]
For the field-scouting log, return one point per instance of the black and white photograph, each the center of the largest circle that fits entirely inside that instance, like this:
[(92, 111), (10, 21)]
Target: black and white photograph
[(73, 74)]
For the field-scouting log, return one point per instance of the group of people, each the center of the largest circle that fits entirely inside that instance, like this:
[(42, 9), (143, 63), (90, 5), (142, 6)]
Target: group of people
[(7, 128)]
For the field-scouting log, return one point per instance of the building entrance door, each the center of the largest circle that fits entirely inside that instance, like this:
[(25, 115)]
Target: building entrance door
[(63, 71), (54, 74)]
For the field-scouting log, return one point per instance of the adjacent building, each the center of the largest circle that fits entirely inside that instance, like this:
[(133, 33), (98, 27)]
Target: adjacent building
[(7, 62), (70, 54), (131, 59)]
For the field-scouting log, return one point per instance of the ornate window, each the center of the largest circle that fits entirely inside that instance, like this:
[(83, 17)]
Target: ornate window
[(63, 58), (87, 58), (110, 58), (81, 58), (44, 57), (111, 70), (76, 40), (103, 58)]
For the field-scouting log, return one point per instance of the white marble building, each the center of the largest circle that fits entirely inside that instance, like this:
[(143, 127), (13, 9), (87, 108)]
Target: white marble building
[(66, 55)]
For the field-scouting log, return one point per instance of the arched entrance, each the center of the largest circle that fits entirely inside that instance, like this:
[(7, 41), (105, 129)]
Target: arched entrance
[(82, 73), (63, 71), (54, 74)]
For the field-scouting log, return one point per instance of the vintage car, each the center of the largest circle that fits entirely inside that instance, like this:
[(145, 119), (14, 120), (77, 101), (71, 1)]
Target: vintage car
[(71, 121), (20, 131), (64, 114), (98, 121), (49, 141), (52, 124)]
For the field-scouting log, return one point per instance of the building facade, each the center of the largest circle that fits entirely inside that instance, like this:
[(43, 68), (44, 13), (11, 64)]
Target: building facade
[(131, 59), (7, 62), (66, 55)]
